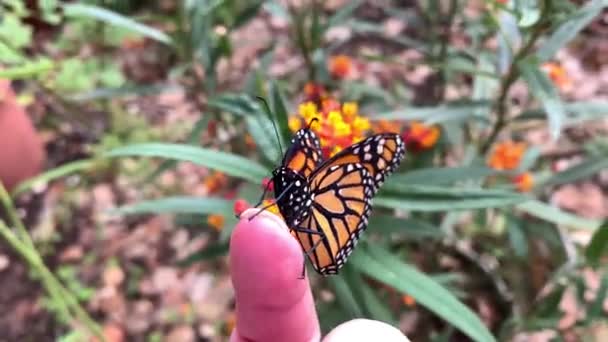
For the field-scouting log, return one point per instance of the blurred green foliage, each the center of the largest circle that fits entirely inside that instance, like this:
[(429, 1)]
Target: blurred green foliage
[(427, 206)]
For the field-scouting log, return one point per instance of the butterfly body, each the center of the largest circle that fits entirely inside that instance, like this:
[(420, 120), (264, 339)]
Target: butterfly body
[(327, 203)]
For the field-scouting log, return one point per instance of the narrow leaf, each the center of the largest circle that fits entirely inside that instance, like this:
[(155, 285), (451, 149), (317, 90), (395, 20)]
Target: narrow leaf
[(178, 205), (598, 245), (432, 115), (89, 11), (228, 163), (555, 215), (390, 270), (280, 111), (345, 296), (569, 29), (439, 176), (50, 175), (543, 89), (577, 172), (408, 227)]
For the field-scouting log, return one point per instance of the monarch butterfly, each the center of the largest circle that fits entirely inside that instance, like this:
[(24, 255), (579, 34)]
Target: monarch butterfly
[(326, 204)]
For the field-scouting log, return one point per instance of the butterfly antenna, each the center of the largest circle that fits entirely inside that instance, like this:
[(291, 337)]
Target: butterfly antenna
[(270, 116), (311, 122)]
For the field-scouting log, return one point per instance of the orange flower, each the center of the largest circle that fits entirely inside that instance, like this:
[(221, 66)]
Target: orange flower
[(386, 126), (273, 208), (315, 93), (216, 221), (240, 205), (524, 182), (420, 137), (408, 300), (249, 142), (506, 155), (215, 182), (267, 184), (338, 125), (229, 324), (340, 66), (558, 75)]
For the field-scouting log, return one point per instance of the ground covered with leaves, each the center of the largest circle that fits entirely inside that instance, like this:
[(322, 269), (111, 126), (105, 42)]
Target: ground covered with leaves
[(500, 201)]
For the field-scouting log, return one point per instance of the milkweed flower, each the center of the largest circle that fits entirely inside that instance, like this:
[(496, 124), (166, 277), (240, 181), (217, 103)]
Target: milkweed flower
[(315, 92), (240, 205), (340, 66), (338, 125), (408, 300), (216, 221), (386, 126), (419, 136), (271, 206), (506, 155), (215, 182), (523, 182), (558, 75)]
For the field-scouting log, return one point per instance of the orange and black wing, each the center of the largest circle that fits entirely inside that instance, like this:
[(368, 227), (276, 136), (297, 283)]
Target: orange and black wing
[(341, 190), (338, 214), (380, 154), (304, 154)]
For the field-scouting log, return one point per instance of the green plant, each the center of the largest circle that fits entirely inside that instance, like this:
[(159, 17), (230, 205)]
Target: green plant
[(469, 191)]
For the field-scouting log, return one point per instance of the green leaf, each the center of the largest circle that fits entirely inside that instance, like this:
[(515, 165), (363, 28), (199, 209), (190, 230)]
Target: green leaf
[(14, 32), (262, 132), (431, 198), (28, 70), (345, 296), (569, 29), (390, 270), (433, 115), (442, 175), (76, 10), (598, 246), (50, 175), (576, 112), (193, 139), (344, 13), (179, 205), (517, 236), (557, 216), (577, 172), (596, 309), (409, 227), (374, 306), (543, 89), (228, 163), (280, 111), (123, 91)]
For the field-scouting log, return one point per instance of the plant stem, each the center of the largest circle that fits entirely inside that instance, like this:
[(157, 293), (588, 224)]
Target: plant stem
[(500, 106), (24, 246), (15, 221), (444, 35)]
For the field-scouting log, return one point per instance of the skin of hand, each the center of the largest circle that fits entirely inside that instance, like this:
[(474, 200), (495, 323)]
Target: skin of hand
[(272, 303)]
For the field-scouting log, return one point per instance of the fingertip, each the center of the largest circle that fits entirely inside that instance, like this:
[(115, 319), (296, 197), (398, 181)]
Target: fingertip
[(261, 247), (365, 330), (265, 265)]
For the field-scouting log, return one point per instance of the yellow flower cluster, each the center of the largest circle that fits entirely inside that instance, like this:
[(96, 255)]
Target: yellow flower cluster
[(337, 126)]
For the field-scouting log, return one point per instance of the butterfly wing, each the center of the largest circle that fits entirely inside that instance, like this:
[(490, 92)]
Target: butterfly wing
[(304, 154), (341, 190), (338, 214), (381, 154)]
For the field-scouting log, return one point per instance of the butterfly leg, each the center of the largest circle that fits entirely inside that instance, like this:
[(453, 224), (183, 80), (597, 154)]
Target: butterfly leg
[(263, 195), (312, 249), (271, 204)]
